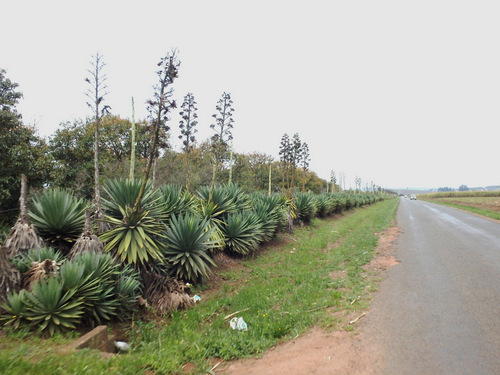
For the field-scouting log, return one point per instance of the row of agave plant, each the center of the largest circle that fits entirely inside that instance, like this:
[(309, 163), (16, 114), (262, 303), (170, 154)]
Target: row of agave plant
[(173, 235)]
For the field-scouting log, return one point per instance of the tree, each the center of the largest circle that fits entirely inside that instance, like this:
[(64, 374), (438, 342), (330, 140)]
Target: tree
[(21, 150), (463, 188), (188, 129), (71, 151), (96, 95), (223, 125)]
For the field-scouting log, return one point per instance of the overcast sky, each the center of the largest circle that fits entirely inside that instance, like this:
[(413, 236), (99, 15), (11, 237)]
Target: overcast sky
[(401, 93)]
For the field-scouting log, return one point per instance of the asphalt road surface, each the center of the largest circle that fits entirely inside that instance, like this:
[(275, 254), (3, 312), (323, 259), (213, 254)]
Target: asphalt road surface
[(438, 311)]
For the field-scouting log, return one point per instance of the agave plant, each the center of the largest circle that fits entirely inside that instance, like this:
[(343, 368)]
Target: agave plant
[(88, 241), (243, 232), (221, 198), (340, 202), (127, 290), (23, 235), (271, 211), (188, 239), (52, 310), (23, 261), (237, 196), (9, 275), (15, 309), (101, 301), (134, 238), (121, 193), (58, 216), (174, 201), (135, 232), (306, 206)]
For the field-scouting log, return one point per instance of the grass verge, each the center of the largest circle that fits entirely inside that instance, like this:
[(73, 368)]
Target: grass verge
[(475, 206), (313, 278)]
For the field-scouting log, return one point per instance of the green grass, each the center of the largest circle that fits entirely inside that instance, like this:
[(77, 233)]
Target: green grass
[(284, 291)]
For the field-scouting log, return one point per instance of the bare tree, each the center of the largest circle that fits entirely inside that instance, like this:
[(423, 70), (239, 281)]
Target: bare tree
[(305, 159), (188, 129), (159, 108), (223, 125), (96, 94), (358, 182)]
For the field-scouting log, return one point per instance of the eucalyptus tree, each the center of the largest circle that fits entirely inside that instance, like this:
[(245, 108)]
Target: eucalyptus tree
[(223, 126), (187, 125), (96, 93)]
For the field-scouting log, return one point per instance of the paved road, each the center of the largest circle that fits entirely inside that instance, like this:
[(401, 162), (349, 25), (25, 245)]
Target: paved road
[(438, 312)]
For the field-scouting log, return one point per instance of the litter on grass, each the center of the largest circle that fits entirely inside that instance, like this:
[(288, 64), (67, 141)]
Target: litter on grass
[(238, 324)]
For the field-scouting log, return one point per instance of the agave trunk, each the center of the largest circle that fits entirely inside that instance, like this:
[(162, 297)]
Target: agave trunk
[(23, 235), (39, 271), (9, 275), (166, 294), (88, 241)]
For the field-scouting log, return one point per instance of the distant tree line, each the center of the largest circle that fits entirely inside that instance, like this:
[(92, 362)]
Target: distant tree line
[(83, 151)]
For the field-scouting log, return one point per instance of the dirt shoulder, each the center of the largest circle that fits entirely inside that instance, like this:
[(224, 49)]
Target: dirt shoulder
[(321, 352)]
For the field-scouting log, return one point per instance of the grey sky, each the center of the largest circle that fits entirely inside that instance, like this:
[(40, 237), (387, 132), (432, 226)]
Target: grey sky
[(404, 94)]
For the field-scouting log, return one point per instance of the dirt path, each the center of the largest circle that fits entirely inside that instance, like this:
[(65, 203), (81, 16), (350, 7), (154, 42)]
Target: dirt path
[(320, 352)]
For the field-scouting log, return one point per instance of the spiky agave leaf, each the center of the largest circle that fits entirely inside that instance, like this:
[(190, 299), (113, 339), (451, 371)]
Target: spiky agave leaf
[(50, 309), (271, 211), (58, 216), (127, 290), (14, 309), (236, 194), (188, 240), (135, 238), (73, 277), (93, 277), (243, 232), (306, 206), (215, 221), (122, 193), (175, 201), (221, 199)]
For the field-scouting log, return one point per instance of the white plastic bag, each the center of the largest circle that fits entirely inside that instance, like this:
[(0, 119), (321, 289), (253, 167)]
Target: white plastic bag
[(239, 324)]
